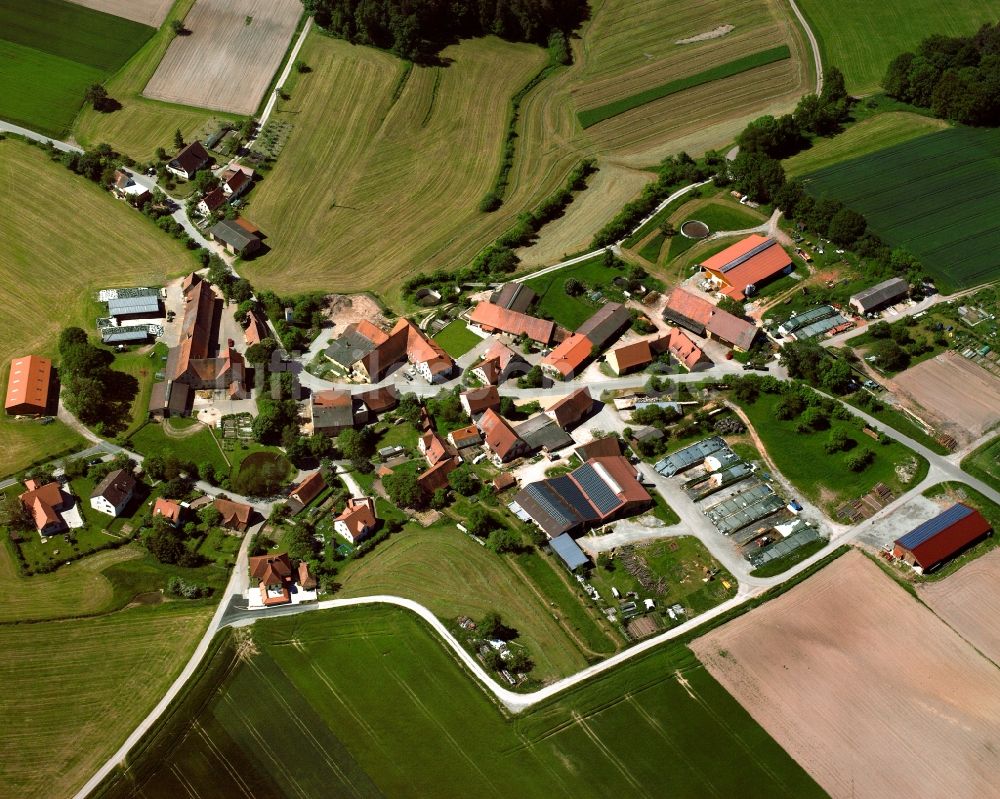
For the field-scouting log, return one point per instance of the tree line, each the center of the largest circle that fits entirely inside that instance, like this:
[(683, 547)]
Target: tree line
[(956, 77), (418, 29)]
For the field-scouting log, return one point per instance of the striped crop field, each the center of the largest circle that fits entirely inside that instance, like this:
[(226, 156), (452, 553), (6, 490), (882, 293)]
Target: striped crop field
[(861, 38), (50, 52), (74, 689), (367, 702), (594, 115), (934, 195), (58, 260)]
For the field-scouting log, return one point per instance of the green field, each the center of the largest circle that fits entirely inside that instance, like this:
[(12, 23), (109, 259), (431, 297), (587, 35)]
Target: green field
[(51, 51), (934, 195), (861, 38), (824, 478), (372, 704), (592, 116), (984, 463), (201, 447), (867, 136), (456, 339)]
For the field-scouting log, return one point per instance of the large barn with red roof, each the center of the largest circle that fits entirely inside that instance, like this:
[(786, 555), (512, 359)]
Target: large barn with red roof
[(930, 544), (740, 270)]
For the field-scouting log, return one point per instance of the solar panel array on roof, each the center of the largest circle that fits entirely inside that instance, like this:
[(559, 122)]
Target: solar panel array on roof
[(932, 527), (146, 304), (599, 492), (572, 494), (542, 495), (748, 255)]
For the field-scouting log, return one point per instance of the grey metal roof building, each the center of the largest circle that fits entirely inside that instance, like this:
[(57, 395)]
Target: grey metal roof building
[(688, 456), (744, 508), (799, 321), (606, 325), (880, 295), (569, 551), (147, 305), (541, 432), (785, 546), (514, 297), (123, 335)]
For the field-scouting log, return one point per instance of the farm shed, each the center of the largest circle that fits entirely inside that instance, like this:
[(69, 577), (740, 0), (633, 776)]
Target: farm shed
[(606, 325), (542, 433), (169, 399), (703, 319), (630, 357), (141, 302), (936, 540), (28, 385), (739, 270), (189, 160), (880, 295), (688, 456), (569, 552), (572, 409), (514, 297), (237, 238)]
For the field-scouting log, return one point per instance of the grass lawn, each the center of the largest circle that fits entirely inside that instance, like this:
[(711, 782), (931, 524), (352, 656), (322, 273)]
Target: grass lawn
[(861, 39), (960, 492), (198, 448), (141, 366), (901, 422), (51, 51), (823, 478), (142, 125), (867, 136), (451, 574), (416, 705), (592, 116), (681, 563), (571, 312), (724, 215), (651, 249), (984, 463), (456, 339), (85, 680), (79, 258)]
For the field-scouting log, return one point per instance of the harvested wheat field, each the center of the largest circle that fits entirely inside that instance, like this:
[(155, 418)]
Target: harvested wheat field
[(864, 687), (228, 57), (969, 600), (148, 12), (963, 397)]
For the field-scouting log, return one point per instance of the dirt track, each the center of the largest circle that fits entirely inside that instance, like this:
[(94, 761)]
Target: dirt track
[(969, 600), (964, 397), (228, 57), (864, 687), (148, 12)]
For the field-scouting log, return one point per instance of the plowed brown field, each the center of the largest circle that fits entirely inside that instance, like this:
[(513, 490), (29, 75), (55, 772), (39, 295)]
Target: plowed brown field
[(969, 600), (228, 58), (148, 12), (867, 689)]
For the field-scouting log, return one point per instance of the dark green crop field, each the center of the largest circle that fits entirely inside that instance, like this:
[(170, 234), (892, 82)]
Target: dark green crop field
[(592, 116), (368, 702), (51, 51), (935, 195)]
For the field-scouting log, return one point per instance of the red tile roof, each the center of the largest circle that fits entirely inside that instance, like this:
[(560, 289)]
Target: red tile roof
[(234, 514), (748, 262), (271, 569), (256, 329), (949, 540), (492, 317), (44, 502), (495, 360), (434, 447), (216, 198), (500, 436), (306, 491), (571, 409), (437, 476), (465, 436), (631, 356), (358, 515), (479, 399), (684, 349), (167, 508), (721, 324), (570, 356), (28, 385)]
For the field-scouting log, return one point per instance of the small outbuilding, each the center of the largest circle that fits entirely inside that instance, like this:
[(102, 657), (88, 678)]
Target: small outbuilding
[(883, 294), (569, 552)]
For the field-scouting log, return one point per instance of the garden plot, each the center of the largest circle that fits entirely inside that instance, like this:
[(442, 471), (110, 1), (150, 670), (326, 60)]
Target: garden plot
[(227, 59), (859, 682), (964, 397)]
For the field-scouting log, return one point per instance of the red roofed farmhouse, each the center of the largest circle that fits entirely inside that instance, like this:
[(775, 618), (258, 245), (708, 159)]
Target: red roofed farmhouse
[(738, 271), (44, 503), (274, 573), (493, 319), (357, 521), (568, 359), (703, 319)]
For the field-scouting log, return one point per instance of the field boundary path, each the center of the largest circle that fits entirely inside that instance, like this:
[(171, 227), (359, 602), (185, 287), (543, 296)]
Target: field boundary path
[(813, 44)]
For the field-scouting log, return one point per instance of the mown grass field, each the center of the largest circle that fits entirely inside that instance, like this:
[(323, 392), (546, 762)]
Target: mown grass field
[(448, 572), (861, 38), (825, 478), (79, 257), (934, 195), (984, 463), (78, 687), (198, 448), (142, 124), (640, 730), (456, 339), (50, 51), (867, 136), (592, 116)]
